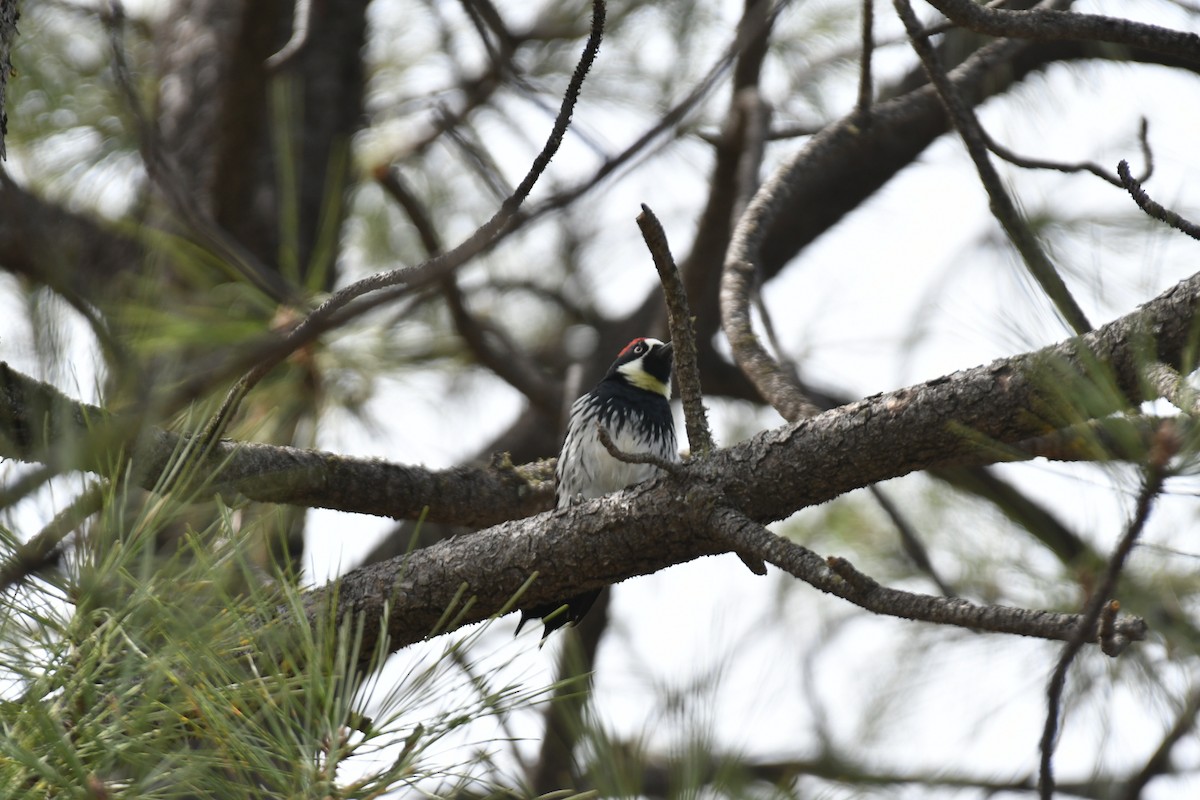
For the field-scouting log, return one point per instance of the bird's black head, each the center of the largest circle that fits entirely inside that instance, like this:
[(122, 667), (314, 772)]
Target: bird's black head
[(644, 364)]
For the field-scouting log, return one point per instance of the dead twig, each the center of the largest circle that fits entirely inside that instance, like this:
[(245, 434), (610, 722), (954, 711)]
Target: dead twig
[(683, 334), (1081, 166), (1156, 473), (1003, 209), (635, 458), (838, 577)]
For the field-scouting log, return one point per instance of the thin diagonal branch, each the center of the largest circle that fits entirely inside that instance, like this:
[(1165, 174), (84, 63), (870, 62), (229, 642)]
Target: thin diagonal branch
[(488, 343), (1156, 472), (1081, 166), (910, 541), (1002, 206), (44, 549), (494, 350)]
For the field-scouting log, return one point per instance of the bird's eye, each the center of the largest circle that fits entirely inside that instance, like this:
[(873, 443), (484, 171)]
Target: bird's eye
[(641, 348)]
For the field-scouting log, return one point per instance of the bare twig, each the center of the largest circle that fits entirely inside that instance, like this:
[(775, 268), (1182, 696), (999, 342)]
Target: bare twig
[(1081, 166), (838, 577), (390, 181), (746, 34), (1134, 187), (479, 17), (634, 458), (772, 382), (1156, 472), (739, 275), (683, 334), (1006, 213)]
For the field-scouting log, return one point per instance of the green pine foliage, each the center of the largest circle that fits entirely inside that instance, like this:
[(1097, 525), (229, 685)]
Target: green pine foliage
[(134, 673)]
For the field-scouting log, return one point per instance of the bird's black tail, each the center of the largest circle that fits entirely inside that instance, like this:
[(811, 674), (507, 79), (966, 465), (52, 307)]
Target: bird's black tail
[(553, 618)]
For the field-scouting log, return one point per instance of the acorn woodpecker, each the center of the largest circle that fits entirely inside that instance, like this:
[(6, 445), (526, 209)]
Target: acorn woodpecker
[(633, 405)]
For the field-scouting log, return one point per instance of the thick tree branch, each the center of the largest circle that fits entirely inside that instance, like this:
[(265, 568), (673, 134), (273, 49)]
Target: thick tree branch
[(971, 417), (74, 255), (37, 421)]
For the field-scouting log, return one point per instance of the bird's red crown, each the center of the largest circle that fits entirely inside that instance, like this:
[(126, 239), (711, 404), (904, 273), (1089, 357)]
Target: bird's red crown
[(631, 345)]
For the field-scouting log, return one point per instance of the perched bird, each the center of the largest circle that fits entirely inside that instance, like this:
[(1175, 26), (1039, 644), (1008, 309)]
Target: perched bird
[(633, 405)]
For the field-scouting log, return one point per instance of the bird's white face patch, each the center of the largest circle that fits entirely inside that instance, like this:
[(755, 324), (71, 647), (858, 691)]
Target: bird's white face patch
[(637, 375)]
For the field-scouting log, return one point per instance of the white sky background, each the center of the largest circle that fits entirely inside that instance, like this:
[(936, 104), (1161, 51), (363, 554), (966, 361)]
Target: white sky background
[(849, 308)]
